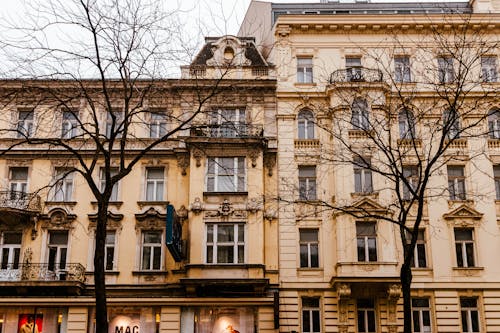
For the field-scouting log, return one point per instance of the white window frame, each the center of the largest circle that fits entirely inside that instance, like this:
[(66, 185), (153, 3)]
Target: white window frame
[(62, 189), (406, 122), (214, 244), (228, 123), (446, 69), (360, 115), (363, 176), (456, 184), (470, 312), (239, 176), (307, 182), (461, 246), (421, 311), (410, 173), (59, 248), (312, 312), (69, 126), (366, 238), (18, 185), (310, 246), (453, 128), (13, 258), (496, 177), (489, 69), (353, 68), (119, 122), (305, 69), (158, 123), (364, 311), (154, 183), (305, 125), (402, 69), (421, 244), (25, 124), (115, 192), (494, 123), (153, 248)]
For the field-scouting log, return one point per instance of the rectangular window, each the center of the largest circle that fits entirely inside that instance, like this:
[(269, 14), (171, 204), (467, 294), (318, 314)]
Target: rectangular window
[(158, 123), (151, 250), (25, 124), (362, 175), (489, 69), (307, 183), (304, 70), (402, 69), (410, 173), (69, 128), (228, 123), (353, 69), (11, 250), (421, 315), (102, 179), (18, 180), (58, 250), (446, 71), (118, 127), (456, 182), (109, 251), (419, 254), (366, 235), (311, 315), (496, 175), (470, 314), (366, 316), (63, 185), (308, 248), (464, 247), (226, 174), (226, 243), (155, 183)]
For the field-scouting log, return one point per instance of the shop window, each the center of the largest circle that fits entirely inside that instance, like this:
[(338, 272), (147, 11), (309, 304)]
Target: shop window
[(464, 247), (362, 175), (456, 182), (62, 189), (158, 120), (25, 124), (11, 250), (366, 235), (308, 239), (155, 184), (311, 315), (366, 316), (470, 314), (305, 124), (307, 182), (151, 250), (218, 319), (421, 315), (226, 174), (102, 179), (305, 70), (225, 243)]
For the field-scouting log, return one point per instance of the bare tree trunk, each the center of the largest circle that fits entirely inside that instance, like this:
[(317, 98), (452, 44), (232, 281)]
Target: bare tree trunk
[(99, 276), (406, 278)]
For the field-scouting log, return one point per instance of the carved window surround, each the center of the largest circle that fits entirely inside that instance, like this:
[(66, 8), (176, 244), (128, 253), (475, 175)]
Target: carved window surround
[(463, 216), (113, 223), (151, 219), (57, 219)]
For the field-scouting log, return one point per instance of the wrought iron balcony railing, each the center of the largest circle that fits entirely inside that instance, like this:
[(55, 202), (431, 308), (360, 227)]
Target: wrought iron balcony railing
[(229, 130), (20, 200), (356, 74), (42, 272)]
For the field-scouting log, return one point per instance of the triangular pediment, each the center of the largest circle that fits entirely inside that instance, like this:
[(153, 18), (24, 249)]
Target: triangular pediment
[(463, 212), (368, 205)]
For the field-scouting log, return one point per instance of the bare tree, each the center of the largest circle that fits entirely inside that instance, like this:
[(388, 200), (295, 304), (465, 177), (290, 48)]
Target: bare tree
[(103, 82), (415, 109)]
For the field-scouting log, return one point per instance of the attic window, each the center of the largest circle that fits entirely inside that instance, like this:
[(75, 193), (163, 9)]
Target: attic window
[(228, 53)]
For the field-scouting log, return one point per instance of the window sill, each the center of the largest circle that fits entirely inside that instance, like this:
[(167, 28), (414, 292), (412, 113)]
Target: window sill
[(475, 268), (152, 272), (305, 84), (144, 203), (310, 269), (223, 193), (61, 203), (371, 195), (105, 273), (224, 266), (116, 204)]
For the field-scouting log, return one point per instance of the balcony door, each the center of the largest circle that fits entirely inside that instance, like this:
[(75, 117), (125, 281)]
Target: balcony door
[(228, 123), (57, 250)]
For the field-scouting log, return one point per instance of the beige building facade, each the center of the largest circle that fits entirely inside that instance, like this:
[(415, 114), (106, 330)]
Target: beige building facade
[(215, 264), (341, 67)]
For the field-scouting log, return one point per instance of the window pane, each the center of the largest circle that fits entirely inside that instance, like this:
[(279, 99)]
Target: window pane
[(361, 321), (361, 249), (372, 249), (306, 321), (110, 253), (315, 318), (210, 254), (464, 322), (146, 257), (458, 250), (152, 237), (371, 321), (225, 233), (314, 255), (422, 262), (308, 235), (469, 249), (58, 238), (304, 255), (156, 257), (463, 234), (210, 233), (225, 254), (12, 238), (475, 321)]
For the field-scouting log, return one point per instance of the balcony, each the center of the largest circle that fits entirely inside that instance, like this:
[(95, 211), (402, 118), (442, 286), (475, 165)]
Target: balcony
[(229, 130), (42, 279), (18, 207), (356, 74)]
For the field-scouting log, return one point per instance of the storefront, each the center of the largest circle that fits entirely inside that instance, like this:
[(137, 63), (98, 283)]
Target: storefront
[(37, 319), (218, 319)]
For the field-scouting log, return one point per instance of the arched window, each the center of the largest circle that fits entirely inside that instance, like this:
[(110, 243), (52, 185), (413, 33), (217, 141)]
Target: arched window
[(494, 123), (451, 124), (360, 120), (306, 124), (406, 124)]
